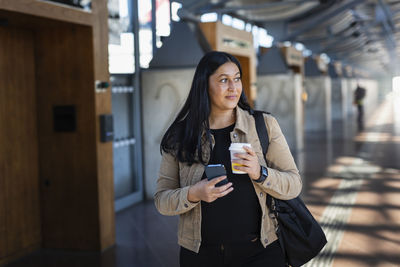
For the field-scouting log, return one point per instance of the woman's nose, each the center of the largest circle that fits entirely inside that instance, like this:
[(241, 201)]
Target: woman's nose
[(231, 85)]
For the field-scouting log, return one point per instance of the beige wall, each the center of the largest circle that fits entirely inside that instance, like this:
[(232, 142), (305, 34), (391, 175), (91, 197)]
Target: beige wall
[(339, 99), (318, 105), (281, 96), (163, 95)]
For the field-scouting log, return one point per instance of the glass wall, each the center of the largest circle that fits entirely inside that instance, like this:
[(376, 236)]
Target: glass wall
[(128, 178), (125, 79)]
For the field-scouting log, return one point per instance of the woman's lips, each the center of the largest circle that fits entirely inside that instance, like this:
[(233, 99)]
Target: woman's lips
[(231, 97)]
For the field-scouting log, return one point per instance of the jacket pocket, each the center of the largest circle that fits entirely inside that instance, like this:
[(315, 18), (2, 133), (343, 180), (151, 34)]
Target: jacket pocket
[(186, 225)]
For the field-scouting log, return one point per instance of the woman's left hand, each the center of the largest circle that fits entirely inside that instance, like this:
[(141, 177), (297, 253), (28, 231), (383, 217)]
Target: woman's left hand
[(250, 163)]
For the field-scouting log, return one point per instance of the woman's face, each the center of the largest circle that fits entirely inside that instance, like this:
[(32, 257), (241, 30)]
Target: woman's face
[(225, 87)]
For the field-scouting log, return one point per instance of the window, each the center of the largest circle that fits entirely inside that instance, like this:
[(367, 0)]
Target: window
[(209, 17), (174, 10), (120, 47)]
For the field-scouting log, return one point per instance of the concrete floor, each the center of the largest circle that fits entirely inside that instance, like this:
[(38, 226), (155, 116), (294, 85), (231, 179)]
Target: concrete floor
[(351, 185)]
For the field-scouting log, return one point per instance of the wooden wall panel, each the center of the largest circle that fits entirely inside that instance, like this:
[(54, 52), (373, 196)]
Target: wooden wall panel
[(245, 64), (3, 135), (209, 31), (103, 106), (19, 210), (76, 169), (50, 10), (68, 169)]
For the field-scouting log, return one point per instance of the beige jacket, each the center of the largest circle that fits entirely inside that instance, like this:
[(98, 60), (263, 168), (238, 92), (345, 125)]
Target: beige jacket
[(175, 178)]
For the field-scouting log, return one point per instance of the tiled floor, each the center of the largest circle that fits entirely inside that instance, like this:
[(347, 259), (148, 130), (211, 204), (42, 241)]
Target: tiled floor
[(370, 237)]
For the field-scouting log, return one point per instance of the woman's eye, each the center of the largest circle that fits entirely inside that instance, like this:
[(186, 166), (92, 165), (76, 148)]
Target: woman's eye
[(237, 79), (223, 80)]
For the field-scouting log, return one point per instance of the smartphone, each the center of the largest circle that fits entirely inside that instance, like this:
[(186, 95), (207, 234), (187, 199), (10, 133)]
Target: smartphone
[(214, 171)]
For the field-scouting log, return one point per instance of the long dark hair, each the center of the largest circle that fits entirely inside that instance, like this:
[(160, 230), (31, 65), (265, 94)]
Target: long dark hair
[(183, 137)]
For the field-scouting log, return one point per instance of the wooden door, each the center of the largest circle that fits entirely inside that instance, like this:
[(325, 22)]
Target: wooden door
[(19, 183), (245, 64)]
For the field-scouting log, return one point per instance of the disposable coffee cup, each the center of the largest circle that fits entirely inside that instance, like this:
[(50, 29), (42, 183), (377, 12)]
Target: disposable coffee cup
[(237, 148)]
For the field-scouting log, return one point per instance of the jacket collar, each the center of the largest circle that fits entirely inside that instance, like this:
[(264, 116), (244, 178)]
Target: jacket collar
[(242, 120)]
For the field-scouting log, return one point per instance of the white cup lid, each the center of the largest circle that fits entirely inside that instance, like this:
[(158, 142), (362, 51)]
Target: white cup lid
[(238, 146)]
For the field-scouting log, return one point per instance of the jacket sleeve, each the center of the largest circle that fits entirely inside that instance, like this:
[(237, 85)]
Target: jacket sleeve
[(170, 198), (283, 181)]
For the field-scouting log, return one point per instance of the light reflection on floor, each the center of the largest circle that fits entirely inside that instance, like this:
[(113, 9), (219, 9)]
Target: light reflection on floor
[(361, 218)]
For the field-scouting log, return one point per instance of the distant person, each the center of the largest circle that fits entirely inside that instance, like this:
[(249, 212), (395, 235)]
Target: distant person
[(228, 225), (359, 95)]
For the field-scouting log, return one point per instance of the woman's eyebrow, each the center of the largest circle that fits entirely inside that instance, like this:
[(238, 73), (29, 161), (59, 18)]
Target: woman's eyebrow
[(223, 74)]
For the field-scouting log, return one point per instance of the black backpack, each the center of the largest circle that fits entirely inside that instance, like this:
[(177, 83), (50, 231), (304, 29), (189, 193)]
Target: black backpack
[(300, 236), (359, 93)]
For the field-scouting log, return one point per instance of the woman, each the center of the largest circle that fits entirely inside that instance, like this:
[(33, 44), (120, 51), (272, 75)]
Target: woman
[(227, 225)]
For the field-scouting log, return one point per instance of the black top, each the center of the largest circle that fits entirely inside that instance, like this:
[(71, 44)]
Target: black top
[(235, 217)]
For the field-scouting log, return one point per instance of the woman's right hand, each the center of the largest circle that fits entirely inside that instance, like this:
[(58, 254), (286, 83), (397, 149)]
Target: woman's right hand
[(207, 191)]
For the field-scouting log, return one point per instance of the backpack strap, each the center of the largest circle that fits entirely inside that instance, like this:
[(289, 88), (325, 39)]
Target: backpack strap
[(264, 140), (261, 131)]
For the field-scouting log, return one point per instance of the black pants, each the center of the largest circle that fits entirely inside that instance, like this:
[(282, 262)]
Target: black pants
[(360, 117), (251, 254)]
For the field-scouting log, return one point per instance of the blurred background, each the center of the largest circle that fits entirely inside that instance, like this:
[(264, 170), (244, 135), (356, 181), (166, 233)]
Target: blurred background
[(88, 88)]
